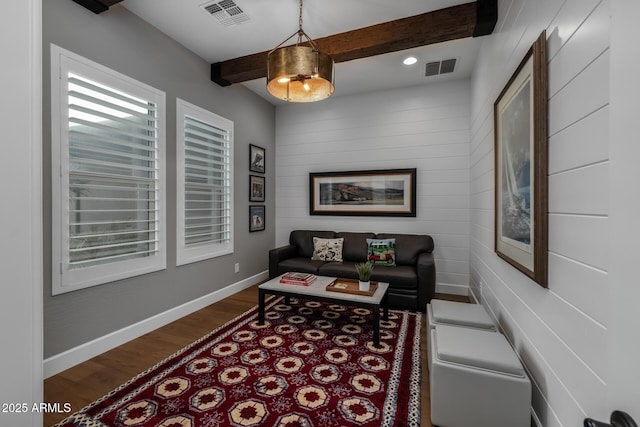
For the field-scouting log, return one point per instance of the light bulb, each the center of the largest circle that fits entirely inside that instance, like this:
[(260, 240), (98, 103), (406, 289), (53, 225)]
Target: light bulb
[(410, 60)]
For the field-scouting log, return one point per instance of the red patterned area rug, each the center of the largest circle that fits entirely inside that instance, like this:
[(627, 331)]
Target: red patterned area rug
[(309, 364)]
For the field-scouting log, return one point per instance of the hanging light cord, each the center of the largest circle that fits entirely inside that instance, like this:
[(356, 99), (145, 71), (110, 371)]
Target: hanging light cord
[(300, 33)]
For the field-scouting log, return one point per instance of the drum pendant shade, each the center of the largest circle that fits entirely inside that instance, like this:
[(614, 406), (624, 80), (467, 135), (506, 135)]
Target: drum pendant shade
[(299, 73)]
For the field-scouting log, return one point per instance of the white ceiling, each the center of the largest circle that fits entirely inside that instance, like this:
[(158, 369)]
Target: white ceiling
[(272, 21)]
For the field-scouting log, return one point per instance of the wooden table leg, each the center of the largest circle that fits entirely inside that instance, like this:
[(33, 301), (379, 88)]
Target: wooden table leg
[(376, 326), (261, 295), (385, 308)]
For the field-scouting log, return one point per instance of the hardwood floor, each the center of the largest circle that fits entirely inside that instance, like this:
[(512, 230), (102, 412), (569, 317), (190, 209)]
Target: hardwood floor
[(88, 381)]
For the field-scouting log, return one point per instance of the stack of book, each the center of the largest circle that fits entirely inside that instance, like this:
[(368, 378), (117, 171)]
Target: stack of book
[(302, 279)]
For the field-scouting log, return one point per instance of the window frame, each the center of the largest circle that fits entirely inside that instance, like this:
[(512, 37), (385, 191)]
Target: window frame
[(185, 254), (65, 279)]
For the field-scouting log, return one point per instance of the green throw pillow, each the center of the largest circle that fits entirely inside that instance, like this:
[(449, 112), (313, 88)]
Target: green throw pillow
[(381, 251)]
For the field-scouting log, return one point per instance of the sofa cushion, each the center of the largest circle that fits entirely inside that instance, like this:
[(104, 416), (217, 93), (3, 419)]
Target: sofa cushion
[(345, 269), (303, 239), (300, 265), (355, 245), (409, 246), (382, 251), (399, 277), (327, 249)]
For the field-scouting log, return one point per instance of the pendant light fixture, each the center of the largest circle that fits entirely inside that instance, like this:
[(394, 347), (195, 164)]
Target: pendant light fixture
[(299, 73)]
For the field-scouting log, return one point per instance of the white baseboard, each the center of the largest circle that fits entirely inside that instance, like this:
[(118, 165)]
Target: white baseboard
[(449, 288), (65, 360)]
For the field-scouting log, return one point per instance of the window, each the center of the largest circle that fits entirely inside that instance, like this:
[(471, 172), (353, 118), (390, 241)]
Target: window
[(205, 184), (108, 174)]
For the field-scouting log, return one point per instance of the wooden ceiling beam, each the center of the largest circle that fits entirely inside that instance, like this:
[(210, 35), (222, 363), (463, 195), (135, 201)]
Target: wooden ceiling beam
[(457, 22), (486, 17), (97, 6)]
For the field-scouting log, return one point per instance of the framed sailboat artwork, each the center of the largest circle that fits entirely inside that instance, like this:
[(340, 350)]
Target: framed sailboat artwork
[(520, 130)]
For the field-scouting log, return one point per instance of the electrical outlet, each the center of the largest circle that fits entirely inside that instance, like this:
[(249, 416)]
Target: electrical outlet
[(237, 267)]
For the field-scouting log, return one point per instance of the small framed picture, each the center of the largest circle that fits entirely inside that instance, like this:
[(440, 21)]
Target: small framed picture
[(256, 188), (256, 158), (256, 218)]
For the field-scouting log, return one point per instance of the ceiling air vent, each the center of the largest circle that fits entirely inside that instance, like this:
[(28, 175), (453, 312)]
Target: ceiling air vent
[(440, 67), (226, 11)]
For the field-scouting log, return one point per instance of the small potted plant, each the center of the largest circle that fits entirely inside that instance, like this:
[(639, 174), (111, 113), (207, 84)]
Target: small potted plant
[(364, 270)]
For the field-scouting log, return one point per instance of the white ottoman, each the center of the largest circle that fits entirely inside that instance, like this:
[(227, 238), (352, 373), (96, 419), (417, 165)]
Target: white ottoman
[(440, 312), (477, 380)]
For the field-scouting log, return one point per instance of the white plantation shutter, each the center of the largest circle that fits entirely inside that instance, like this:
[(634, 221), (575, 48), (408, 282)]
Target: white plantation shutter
[(207, 199), (205, 214), (108, 151), (113, 175)]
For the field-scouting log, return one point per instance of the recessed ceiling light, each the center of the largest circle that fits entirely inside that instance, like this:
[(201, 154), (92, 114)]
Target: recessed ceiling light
[(410, 60)]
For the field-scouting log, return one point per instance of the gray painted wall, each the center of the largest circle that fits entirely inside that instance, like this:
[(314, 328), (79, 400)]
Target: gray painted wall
[(123, 42)]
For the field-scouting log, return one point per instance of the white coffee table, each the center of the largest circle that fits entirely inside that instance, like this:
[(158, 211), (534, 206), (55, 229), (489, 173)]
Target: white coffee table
[(317, 291)]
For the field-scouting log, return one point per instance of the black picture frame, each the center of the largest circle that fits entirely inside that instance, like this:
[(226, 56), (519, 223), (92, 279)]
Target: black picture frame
[(256, 188), (257, 218), (257, 158), (521, 164), (382, 192)]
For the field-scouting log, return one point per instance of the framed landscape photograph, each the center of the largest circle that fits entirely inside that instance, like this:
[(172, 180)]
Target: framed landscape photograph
[(256, 188), (387, 192), (256, 158), (256, 218), (520, 115)]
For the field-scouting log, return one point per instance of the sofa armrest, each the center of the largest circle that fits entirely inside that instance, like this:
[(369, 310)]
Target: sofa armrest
[(280, 254), (426, 268)]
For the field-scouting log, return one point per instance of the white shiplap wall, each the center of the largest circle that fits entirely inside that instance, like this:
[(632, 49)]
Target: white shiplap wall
[(425, 127), (560, 333)]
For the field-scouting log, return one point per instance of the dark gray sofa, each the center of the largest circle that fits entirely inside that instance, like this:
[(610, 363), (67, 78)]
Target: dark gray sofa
[(412, 280)]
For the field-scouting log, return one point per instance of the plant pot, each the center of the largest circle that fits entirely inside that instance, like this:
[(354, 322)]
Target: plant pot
[(363, 286)]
